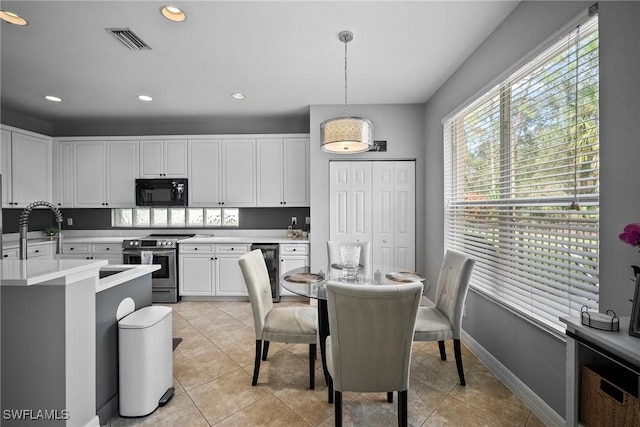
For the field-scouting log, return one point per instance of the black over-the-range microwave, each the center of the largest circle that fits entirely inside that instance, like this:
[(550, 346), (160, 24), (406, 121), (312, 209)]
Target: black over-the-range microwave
[(161, 192)]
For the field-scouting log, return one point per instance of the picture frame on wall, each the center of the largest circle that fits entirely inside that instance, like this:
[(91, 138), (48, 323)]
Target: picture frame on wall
[(634, 322)]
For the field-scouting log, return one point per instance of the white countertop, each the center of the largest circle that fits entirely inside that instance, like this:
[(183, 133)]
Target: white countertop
[(128, 272), (37, 271), (241, 239)]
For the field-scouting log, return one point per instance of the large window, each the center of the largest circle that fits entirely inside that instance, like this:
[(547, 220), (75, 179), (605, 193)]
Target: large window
[(521, 183)]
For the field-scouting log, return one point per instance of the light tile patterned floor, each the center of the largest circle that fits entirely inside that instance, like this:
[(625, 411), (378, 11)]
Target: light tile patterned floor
[(213, 366)]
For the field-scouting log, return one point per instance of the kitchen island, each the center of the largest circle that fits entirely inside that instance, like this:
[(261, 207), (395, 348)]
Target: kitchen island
[(48, 352)]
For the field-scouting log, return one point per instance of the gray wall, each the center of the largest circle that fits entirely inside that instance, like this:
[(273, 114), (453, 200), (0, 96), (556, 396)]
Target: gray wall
[(535, 357), (401, 126)]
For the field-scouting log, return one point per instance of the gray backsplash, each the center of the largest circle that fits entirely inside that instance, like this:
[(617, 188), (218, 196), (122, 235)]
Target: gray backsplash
[(100, 219)]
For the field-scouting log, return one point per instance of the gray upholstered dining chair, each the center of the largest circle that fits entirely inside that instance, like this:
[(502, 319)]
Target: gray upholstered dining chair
[(444, 320), (369, 349), (333, 252), (297, 325)]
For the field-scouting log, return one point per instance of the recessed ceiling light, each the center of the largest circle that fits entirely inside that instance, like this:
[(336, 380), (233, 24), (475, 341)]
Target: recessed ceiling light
[(53, 98), (12, 18), (172, 13), (238, 95), (145, 98)]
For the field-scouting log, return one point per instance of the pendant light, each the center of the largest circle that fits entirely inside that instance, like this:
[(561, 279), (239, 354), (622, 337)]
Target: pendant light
[(346, 135)]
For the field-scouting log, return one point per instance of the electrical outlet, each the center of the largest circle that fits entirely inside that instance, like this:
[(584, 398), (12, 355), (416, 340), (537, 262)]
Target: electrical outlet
[(294, 220), (307, 220), (69, 221)]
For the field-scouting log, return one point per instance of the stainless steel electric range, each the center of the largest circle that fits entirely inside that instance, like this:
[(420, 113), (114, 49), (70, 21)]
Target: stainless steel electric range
[(161, 249)]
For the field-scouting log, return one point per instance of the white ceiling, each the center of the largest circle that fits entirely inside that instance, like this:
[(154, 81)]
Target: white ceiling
[(284, 55)]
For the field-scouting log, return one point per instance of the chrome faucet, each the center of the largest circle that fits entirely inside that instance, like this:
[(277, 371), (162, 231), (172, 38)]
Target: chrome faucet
[(24, 226)]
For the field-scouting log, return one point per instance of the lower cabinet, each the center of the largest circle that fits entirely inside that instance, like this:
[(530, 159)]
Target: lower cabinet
[(34, 251), (109, 251), (292, 255), (211, 270)]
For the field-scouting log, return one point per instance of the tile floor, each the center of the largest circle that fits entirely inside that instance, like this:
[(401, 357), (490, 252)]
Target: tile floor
[(213, 366)]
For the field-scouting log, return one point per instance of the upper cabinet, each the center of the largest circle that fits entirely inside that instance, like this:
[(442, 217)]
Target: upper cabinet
[(96, 173), (283, 172), (222, 172), (26, 168), (163, 158)]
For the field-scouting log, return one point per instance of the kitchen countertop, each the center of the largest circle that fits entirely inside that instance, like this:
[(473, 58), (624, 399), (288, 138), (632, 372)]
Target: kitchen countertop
[(241, 239), (125, 273), (34, 272)]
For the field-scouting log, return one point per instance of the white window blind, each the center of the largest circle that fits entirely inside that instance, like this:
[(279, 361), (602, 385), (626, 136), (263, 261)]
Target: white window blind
[(521, 183)]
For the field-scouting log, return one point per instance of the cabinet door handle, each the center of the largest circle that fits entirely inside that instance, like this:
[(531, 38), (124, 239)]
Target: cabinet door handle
[(37, 250), (195, 249), (70, 249), (107, 249), (5, 256)]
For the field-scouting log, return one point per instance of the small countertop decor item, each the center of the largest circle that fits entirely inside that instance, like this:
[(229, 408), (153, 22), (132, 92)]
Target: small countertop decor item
[(604, 321), (631, 236)]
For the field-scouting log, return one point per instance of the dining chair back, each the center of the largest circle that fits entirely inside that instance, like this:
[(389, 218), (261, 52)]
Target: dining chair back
[(444, 320), (333, 252), (369, 348), (292, 324)]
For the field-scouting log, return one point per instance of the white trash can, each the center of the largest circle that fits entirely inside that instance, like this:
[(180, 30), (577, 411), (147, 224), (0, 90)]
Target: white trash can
[(146, 360)]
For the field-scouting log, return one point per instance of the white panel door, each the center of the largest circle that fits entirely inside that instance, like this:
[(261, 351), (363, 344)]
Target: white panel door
[(122, 171), (404, 214), (66, 172), (296, 172), (238, 168), (90, 175), (204, 172), (196, 275), (382, 241), (175, 158), (339, 190), (30, 169), (5, 153), (270, 172), (151, 158), (230, 280), (360, 203)]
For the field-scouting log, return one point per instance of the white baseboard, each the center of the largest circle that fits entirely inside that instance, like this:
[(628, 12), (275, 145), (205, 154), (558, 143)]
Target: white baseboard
[(543, 411)]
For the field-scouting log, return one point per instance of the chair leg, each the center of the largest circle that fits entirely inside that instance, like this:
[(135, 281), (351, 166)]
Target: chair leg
[(389, 397), (312, 366), (338, 408), (329, 389), (256, 365), (403, 409), (458, 353), (266, 350), (443, 352)]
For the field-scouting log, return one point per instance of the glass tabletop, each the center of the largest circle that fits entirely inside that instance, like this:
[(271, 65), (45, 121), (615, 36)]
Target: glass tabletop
[(301, 281)]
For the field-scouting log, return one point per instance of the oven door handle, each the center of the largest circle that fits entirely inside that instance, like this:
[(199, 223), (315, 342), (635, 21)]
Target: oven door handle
[(155, 253)]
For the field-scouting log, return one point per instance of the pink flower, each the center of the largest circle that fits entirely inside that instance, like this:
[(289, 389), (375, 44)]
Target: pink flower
[(631, 234)]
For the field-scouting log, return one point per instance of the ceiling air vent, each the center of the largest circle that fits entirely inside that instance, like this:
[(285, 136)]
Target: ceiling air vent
[(128, 38)]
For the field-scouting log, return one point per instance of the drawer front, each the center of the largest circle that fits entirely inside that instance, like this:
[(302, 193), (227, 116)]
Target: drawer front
[(196, 248), (230, 249), (72, 248), (294, 249), (38, 250), (107, 248), (10, 253)]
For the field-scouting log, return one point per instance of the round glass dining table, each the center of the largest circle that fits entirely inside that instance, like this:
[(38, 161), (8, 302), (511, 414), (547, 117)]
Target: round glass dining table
[(301, 281)]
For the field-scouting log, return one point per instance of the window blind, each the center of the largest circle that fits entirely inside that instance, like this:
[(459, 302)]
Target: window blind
[(522, 181)]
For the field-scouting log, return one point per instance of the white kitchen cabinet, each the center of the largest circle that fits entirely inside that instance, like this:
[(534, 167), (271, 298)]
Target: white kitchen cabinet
[(44, 250), (222, 173), (10, 253), (229, 279), (26, 167), (76, 251), (375, 201), (196, 269), (112, 252), (282, 172), (211, 270), (292, 255), (163, 158), (96, 173)]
